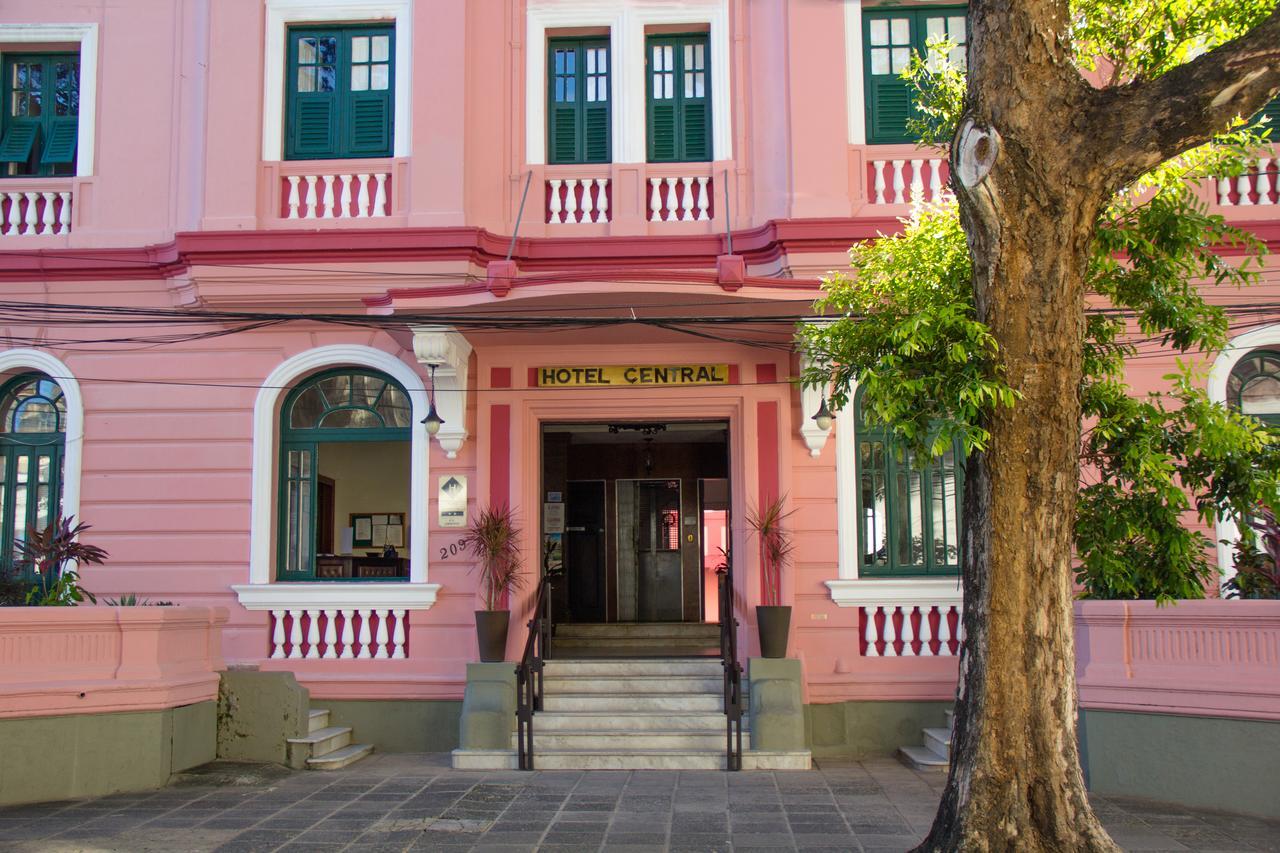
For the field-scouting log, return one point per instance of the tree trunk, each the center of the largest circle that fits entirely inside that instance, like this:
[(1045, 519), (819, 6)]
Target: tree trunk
[(1029, 204)]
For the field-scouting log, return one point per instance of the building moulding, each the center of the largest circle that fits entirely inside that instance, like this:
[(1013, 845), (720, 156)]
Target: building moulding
[(443, 348)]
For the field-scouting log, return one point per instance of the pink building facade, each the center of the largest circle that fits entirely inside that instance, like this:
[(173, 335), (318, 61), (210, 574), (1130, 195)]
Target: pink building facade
[(513, 212)]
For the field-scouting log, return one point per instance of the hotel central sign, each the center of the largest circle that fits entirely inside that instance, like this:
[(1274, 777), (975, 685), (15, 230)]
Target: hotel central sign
[(631, 375)]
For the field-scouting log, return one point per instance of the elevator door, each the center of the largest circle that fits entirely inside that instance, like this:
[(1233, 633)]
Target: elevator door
[(584, 550), (649, 528)]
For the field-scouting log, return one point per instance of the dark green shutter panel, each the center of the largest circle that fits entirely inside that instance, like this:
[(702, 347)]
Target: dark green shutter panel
[(18, 140), (369, 127), (662, 131), (890, 109), (697, 131), (564, 133), (1272, 112), (313, 127), (596, 133), (61, 145)]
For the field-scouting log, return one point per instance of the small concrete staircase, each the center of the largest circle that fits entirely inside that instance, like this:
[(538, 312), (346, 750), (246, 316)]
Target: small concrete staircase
[(325, 747), (658, 714), (936, 752), (636, 639)]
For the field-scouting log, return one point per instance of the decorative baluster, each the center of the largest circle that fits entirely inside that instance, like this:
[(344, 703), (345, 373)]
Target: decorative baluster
[(1244, 184), (310, 209), (669, 195), (330, 634), (704, 199), (588, 211), (878, 167), (1224, 192), (344, 207), (944, 630), (1264, 181), (362, 197), (327, 181), (872, 639), (926, 630), (890, 633), (555, 206), (277, 633), (365, 653), (935, 180), (571, 200), (313, 634), (917, 181), (380, 651), (293, 196), (11, 213), (686, 212), (380, 194), (295, 633), (602, 200), (64, 213), (908, 632), (899, 186), (397, 638), (49, 217), (29, 225), (655, 200), (348, 636)]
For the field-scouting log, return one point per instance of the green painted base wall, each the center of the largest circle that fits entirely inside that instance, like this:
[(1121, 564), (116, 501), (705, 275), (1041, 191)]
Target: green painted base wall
[(858, 729), (396, 725), (87, 755), (1206, 762), (257, 713)]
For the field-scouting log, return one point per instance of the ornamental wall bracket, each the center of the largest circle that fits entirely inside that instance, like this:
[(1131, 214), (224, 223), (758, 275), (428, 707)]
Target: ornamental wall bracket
[(449, 351), (815, 437)]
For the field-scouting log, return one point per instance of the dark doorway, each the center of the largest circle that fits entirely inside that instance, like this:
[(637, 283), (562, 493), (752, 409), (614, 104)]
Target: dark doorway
[(584, 551)]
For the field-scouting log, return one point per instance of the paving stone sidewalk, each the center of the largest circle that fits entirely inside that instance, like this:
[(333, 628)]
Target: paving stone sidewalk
[(415, 802)]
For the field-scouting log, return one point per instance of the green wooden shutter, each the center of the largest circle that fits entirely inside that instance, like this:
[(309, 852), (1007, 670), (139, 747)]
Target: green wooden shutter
[(1272, 112), (678, 85), (597, 96), (341, 93), (888, 108), (313, 86), (369, 127), (564, 98), (61, 145), (888, 38), (297, 530), (367, 91), (17, 142)]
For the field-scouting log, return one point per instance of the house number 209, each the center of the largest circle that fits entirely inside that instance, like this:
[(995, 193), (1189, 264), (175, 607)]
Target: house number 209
[(453, 549)]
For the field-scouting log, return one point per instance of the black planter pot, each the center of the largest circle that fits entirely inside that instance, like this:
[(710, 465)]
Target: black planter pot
[(774, 622), (491, 634)]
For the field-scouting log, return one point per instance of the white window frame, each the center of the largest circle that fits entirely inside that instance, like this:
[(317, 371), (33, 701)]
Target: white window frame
[(850, 590), (282, 14), (262, 592), (17, 361), (85, 35), (626, 20), (1228, 532), (855, 95)]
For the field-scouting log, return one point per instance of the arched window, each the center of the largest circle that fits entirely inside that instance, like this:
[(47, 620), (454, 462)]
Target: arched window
[(908, 517), (1254, 386), (33, 416), (344, 477)]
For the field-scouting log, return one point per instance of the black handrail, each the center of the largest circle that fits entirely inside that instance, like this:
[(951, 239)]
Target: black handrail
[(537, 648), (732, 669)]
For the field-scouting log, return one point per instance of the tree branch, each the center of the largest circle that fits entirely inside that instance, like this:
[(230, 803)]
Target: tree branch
[(1137, 126)]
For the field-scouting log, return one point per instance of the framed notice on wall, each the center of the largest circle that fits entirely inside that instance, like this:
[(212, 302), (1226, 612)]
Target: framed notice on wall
[(377, 529)]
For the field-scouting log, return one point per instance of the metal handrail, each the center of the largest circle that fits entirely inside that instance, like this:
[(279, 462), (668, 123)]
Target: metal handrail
[(537, 648), (732, 669)]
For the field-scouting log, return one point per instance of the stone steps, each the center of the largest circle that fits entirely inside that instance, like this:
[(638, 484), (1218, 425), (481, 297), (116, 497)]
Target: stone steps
[(629, 640), (325, 747), (935, 754)]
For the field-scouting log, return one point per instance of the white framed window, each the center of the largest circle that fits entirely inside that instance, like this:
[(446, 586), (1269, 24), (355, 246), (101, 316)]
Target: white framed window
[(627, 21), (86, 36), (285, 14)]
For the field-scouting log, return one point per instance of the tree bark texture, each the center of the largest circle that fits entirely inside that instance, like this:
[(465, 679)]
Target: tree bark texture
[(1035, 166)]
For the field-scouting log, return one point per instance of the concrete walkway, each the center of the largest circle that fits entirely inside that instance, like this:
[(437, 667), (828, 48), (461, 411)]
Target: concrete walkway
[(415, 802)]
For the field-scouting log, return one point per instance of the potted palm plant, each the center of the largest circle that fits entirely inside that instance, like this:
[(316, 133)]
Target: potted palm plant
[(493, 539), (773, 617)]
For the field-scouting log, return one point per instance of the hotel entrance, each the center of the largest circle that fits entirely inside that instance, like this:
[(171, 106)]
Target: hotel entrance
[(640, 512)]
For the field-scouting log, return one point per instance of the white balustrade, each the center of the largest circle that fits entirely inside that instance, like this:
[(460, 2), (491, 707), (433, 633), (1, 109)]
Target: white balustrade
[(337, 629), (883, 629), (891, 184), (680, 199), (35, 214), (573, 201), (352, 196), (1259, 184)]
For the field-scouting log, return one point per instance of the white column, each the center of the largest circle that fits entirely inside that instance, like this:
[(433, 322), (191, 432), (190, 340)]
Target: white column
[(1244, 184), (344, 209), (655, 200), (602, 200), (348, 636), (571, 200), (330, 634), (588, 206), (669, 194), (277, 633), (926, 630), (364, 634), (704, 199), (362, 196), (944, 630), (908, 632), (687, 214), (295, 634), (1224, 191), (554, 206), (311, 207), (64, 213), (327, 182), (381, 651), (878, 167), (890, 633), (313, 634), (29, 226), (293, 196), (917, 181), (872, 638), (397, 638), (380, 195), (47, 218), (1264, 181), (935, 180), (898, 182)]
